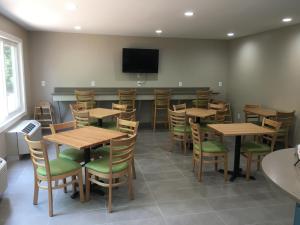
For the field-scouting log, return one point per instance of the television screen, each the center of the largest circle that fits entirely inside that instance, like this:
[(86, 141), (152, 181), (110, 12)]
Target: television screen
[(140, 60)]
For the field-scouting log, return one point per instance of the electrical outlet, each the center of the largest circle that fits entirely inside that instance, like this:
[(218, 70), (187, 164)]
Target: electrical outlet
[(139, 83), (43, 83), (220, 83), (93, 83), (180, 84)]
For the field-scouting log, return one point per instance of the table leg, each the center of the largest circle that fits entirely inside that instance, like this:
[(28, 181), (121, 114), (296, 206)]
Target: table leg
[(297, 214), (87, 155), (237, 151), (99, 123)]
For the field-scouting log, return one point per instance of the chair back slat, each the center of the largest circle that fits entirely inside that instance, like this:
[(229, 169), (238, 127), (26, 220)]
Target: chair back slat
[(177, 119), (59, 127), (119, 107), (251, 117), (162, 98), (121, 151), (128, 115), (127, 126), (218, 107), (127, 97), (86, 97), (179, 107), (82, 118)]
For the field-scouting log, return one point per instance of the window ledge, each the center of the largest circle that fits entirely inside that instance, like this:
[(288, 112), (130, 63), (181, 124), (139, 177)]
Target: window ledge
[(9, 122)]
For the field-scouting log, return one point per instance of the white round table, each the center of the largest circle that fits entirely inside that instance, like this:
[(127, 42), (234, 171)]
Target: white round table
[(279, 167)]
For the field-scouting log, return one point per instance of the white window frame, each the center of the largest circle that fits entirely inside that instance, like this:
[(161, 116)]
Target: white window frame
[(22, 111)]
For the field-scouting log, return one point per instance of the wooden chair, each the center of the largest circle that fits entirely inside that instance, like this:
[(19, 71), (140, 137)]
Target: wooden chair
[(179, 107), (128, 115), (86, 97), (161, 104), (216, 106), (125, 126), (203, 98), (250, 117), (207, 152), (127, 97), (112, 123), (287, 121), (262, 147), (53, 170), (68, 153), (44, 114), (114, 170), (179, 128), (82, 118)]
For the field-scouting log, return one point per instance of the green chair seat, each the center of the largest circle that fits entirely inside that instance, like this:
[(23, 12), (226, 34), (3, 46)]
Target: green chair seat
[(102, 166), (205, 129), (255, 147), (200, 102), (105, 150), (180, 129), (59, 166), (109, 124), (72, 154), (211, 147)]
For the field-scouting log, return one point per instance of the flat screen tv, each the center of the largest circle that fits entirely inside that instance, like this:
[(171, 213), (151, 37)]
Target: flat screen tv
[(140, 60)]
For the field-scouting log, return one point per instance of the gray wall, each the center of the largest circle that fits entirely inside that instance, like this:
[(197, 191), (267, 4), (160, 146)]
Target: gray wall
[(14, 29), (265, 69), (69, 60), (74, 60)]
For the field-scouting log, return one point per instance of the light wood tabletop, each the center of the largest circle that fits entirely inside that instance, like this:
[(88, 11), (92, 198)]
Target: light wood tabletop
[(261, 111), (84, 137), (240, 129), (101, 113), (199, 112)]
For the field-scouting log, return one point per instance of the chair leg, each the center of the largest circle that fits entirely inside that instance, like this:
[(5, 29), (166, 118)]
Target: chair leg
[(65, 188), (74, 184), (226, 167), (36, 191), (80, 184), (133, 168), (216, 163), (109, 207), (50, 198), (248, 170), (258, 162), (193, 162), (87, 185), (154, 119), (130, 188), (200, 169), (286, 141)]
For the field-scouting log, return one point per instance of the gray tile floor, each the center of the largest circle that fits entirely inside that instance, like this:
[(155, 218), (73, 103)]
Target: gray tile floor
[(166, 192)]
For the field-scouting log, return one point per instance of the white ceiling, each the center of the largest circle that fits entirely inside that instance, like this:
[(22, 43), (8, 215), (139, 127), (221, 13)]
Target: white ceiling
[(212, 19)]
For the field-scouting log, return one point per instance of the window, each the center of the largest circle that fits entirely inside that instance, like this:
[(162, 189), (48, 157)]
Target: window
[(12, 101)]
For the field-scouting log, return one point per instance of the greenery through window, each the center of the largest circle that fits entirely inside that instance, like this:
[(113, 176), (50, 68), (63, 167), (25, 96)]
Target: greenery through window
[(11, 86)]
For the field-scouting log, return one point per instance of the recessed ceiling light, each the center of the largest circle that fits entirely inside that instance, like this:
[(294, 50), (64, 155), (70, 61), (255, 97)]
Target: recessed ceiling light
[(71, 6), (77, 27), (189, 13), (230, 34), (158, 31), (287, 19)]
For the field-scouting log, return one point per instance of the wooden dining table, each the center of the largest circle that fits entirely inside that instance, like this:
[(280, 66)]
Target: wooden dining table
[(199, 113), (84, 138), (101, 113), (263, 112), (238, 130)]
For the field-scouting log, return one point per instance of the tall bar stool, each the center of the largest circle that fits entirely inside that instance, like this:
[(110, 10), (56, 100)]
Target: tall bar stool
[(127, 97), (86, 97), (161, 104), (203, 98)]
